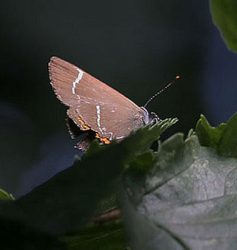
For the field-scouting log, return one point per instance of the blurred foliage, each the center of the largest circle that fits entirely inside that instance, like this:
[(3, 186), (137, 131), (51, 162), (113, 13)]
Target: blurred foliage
[(5, 195), (102, 237), (175, 196), (225, 18), (68, 201)]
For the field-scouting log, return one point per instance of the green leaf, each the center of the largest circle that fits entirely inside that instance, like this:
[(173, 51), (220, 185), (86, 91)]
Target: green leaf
[(181, 197), (142, 139), (187, 201), (225, 18), (5, 195), (143, 162), (103, 237), (228, 141), (67, 201), (222, 138), (209, 136)]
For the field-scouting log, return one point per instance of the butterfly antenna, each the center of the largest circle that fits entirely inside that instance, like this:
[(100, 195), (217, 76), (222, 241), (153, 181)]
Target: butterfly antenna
[(162, 90)]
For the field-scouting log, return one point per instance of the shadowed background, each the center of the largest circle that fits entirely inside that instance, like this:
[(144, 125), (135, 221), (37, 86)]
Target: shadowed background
[(134, 46)]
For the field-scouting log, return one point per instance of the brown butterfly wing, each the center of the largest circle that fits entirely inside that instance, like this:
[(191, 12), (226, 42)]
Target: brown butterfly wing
[(93, 104), (106, 120)]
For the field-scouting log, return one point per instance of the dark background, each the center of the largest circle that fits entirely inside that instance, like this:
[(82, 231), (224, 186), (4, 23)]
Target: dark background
[(134, 46)]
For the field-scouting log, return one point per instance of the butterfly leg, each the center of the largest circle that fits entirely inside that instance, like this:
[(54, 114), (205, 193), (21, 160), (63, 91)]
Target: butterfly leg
[(154, 118)]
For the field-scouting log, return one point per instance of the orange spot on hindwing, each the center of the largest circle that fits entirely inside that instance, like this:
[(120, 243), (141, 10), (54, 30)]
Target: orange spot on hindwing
[(82, 124), (105, 140)]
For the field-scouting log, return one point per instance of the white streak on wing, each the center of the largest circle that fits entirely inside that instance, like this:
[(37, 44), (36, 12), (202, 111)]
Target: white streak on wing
[(119, 137), (98, 118), (77, 80), (102, 130), (110, 135)]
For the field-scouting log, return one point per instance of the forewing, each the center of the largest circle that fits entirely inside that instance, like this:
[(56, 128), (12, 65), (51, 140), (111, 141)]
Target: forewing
[(72, 85), (62, 76)]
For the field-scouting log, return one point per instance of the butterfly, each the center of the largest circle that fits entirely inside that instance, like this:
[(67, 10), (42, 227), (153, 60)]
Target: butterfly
[(95, 110)]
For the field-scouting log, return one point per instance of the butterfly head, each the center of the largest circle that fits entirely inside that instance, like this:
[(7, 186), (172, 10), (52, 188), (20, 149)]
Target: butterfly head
[(150, 118)]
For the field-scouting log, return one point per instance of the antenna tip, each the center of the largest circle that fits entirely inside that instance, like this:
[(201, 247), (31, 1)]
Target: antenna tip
[(177, 77)]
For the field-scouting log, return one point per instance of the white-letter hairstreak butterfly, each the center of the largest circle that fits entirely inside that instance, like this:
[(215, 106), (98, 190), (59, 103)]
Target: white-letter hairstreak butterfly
[(95, 107)]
